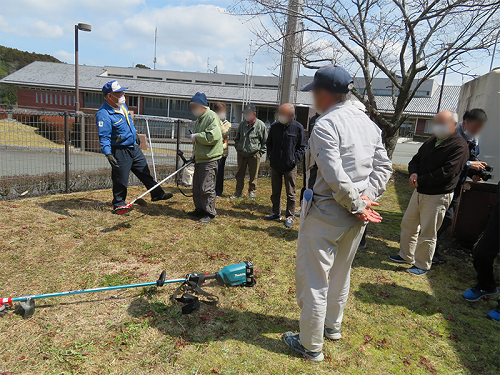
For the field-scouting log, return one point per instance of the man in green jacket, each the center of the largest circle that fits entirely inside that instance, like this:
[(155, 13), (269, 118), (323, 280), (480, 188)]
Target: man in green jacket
[(207, 139), (250, 143)]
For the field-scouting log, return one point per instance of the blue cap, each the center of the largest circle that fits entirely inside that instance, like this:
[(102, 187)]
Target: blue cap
[(331, 78), (199, 98), (112, 86)]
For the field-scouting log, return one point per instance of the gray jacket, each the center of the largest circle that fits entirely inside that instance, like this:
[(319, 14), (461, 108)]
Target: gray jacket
[(345, 159)]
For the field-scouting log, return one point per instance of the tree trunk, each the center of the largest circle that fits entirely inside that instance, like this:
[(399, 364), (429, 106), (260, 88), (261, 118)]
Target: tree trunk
[(390, 142)]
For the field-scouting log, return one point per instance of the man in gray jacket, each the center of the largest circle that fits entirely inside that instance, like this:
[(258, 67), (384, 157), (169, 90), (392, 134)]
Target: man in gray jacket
[(347, 171), (250, 143)]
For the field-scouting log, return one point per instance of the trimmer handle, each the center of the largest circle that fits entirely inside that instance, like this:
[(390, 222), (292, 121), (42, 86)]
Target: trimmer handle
[(181, 155)]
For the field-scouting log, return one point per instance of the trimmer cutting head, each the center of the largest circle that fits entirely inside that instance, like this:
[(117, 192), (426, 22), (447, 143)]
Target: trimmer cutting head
[(122, 210)]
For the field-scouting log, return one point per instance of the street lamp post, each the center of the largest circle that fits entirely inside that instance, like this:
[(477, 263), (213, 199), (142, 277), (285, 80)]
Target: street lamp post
[(83, 27)]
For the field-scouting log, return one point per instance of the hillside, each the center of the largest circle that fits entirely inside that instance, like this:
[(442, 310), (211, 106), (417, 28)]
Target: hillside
[(12, 59)]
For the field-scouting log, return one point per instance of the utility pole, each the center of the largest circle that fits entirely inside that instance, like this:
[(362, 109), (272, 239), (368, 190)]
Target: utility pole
[(290, 65), (156, 37)]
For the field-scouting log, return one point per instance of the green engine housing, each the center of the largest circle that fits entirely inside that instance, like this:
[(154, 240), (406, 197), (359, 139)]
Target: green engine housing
[(240, 274)]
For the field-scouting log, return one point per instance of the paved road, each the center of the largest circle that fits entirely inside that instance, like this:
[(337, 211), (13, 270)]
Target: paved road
[(16, 162)]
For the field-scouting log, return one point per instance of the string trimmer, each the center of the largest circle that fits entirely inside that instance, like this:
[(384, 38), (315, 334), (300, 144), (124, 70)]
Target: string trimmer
[(141, 202), (240, 274)]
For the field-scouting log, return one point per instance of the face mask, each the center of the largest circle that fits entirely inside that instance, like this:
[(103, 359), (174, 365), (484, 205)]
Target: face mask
[(440, 131), (197, 112), (222, 116), (121, 100), (283, 119), (248, 118)]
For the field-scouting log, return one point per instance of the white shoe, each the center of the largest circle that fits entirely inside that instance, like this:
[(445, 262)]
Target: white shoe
[(252, 196), (297, 214), (332, 334)]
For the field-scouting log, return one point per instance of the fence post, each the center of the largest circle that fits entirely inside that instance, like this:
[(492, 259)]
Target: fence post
[(178, 144), (66, 150), (82, 131)]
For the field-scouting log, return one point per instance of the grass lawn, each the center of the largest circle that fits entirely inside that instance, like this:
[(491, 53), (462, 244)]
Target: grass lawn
[(394, 323), (18, 134)]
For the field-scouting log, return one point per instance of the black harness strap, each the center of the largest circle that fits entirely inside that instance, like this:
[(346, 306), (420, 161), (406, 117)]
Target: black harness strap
[(192, 302)]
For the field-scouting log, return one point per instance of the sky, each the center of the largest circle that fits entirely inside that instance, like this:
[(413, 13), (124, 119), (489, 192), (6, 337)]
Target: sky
[(189, 33)]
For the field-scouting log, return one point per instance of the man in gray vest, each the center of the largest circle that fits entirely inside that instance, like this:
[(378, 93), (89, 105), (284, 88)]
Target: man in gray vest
[(347, 171)]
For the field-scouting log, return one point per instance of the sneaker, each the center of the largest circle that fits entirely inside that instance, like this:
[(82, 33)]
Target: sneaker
[(252, 196), (164, 197), (273, 217), (494, 315), (416, 271), (332, 334), (475, 294), (297, 214), (235, 195), (438, 259), (293, 342), (206, 219), (289, 222), (398, 259)]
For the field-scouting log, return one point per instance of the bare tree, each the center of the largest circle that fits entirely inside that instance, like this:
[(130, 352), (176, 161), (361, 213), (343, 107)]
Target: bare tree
[(407, 42)]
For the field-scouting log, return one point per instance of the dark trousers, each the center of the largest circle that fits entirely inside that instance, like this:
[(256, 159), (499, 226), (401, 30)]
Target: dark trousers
[(277, 178), (363, 239), (253, 163), (219, 185), (486, 250), (204, 178), (447, 221), (130, 159)]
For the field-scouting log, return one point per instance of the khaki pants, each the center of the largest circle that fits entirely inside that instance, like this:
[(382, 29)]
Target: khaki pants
[(323, 249), (424, 215), (253, 163), (277, 178)]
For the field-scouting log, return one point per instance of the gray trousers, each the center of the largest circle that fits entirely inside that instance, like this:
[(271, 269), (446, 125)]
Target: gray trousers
[(204, 178), (277, 178)]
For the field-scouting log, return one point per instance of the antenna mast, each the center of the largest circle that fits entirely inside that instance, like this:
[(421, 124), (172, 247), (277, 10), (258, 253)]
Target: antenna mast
[(156, 37)]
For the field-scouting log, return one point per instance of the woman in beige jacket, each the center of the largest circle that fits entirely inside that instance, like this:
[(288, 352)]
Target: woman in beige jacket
[(221, 110)]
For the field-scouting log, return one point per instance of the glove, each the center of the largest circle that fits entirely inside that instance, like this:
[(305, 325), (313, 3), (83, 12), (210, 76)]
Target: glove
[(112, 161), (138, 140), (193, 137)]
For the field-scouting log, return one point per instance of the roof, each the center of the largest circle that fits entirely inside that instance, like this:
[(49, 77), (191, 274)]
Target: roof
[(92, 78)]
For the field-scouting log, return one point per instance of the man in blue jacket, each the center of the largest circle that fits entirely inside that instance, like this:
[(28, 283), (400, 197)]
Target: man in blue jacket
[(120, 144), (286, 144)]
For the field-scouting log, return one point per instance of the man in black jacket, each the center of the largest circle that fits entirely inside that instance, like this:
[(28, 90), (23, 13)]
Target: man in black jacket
[(434, 173), (286, 145)]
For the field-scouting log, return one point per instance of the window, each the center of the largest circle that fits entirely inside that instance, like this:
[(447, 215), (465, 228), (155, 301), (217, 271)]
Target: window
[(155, 106), (92, 100), (36, 94), (60, 99), (69, 99), (65, 99), (55, 99), (180, 109), (46, 98), (132, 101), (51, 98), (428, 127)]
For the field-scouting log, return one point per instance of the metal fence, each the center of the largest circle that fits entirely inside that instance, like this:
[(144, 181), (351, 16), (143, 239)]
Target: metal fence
[(51, 152)]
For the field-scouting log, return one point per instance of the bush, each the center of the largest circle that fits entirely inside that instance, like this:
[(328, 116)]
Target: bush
[(3, 114), (26, 118), (52, 127)]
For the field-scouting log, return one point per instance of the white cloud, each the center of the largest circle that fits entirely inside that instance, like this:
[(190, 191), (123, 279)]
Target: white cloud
[(65, 56), (185, 59), (37, 29)]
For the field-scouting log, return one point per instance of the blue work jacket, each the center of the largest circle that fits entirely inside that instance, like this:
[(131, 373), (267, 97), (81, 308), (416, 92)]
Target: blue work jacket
[(114, 128)]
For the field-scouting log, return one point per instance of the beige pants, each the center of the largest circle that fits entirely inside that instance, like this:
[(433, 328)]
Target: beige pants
[(424, 215), (253, 163), (324, 251)]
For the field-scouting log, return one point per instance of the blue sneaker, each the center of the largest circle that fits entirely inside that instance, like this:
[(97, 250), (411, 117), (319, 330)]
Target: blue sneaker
[(475, 294), (494, 315), (293, 342), (398, 259), (332, 334), (416, 271)]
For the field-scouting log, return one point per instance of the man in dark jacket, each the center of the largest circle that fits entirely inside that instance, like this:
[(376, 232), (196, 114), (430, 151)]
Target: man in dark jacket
[(434, 173), (286, 145), (472, 124)]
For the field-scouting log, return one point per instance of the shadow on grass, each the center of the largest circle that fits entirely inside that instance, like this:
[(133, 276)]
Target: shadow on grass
[(214, 324), (402, 186), (275, 231), (62, 206)]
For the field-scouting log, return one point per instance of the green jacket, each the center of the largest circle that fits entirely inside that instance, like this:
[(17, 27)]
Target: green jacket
[(251, 140), (208, 141)]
